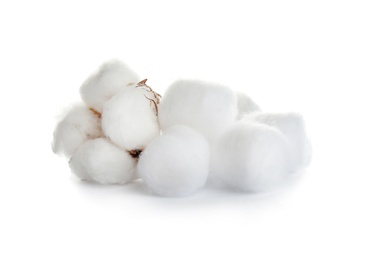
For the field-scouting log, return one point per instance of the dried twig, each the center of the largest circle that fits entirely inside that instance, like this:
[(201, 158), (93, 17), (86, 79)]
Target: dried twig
[(152, 101), (142, 82), (95, 112), (135, 153), (157, 97)]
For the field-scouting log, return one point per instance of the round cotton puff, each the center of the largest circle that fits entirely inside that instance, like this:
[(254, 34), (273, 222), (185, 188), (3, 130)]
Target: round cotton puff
[(129, 118), (106, 82), (251, 157), (77, 126), (293, 127), (207, 107), (175, 163), (101, 161), (245, 105)]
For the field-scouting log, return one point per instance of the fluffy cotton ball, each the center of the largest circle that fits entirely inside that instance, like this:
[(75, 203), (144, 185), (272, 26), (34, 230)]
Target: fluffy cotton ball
[(207, 107), (129, 118), (111, 77), (78, 125), (101, 161), (293, 127), (245, 105), (251, 157), (175, 163)]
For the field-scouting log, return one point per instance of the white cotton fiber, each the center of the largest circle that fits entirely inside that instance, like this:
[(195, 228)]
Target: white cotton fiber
[(101, 161), (175, 163), (293, 127), (129, 118), (207, 107), (245, 105), (77, 126), (111, 77), (251, 157)]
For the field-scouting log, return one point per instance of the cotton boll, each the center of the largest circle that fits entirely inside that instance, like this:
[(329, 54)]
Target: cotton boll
[(175, 163), (78, 125), (293, 127), (245, 105), (207, 107), (101, 161), (251, 157), (129, 118), (111, 77)]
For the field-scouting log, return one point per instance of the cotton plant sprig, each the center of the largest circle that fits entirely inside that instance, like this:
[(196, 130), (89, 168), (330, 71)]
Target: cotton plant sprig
[(104, 136), (124, 130)]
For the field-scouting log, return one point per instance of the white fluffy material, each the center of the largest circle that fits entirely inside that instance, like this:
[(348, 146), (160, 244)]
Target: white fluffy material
[(251, 157), (293, 127), (175, 163), (245, 105), (207, 107), (77, 126), (129, 119), (111, 77), (101, 161)]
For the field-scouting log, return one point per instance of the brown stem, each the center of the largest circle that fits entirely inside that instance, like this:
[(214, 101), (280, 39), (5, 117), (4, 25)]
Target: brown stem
[(135, 153), (142, 82), (152, 101), (157, 97), (95, 112)]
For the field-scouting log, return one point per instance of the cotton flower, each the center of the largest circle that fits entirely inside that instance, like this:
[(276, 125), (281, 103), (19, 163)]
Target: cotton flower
[(206, 107), (111, 77), (77, 126), (101, 161), (251, 157), (175, 163), (129, 118)]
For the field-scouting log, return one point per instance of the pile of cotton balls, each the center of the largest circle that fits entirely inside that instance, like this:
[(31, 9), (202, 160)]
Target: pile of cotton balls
[(124, 131)]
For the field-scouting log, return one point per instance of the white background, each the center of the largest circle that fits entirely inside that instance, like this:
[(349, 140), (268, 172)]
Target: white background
[(314, 57)]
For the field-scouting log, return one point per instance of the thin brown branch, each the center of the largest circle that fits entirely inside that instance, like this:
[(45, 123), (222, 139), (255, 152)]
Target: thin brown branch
[(152, 101), (95, 112), (142, 82)]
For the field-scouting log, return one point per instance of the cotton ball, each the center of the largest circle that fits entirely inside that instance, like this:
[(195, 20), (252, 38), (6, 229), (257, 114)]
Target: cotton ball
[(293, 127), (251, 157), (111, 77), (129, 118), (78, 125), (101, 161), (207, 107), (175, 163), (245, 105)]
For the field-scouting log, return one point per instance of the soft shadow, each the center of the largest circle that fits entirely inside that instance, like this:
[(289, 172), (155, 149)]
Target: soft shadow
[(213, 195)]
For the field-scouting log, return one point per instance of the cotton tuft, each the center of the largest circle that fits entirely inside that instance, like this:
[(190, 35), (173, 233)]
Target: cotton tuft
[(111, 77), (206, 107), (77, 126), (175, 163), (101, 161), (129, 118), (251, 157), (245, 105), (292, 127)]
